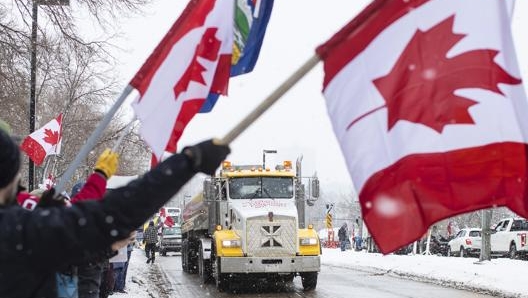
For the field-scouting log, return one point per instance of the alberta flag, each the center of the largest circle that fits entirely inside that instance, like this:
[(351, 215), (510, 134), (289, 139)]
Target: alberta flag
[(251, 21), (427, 102)]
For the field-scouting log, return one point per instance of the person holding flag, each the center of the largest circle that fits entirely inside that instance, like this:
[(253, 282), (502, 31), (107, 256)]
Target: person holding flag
[(31, 255), (85, 277)]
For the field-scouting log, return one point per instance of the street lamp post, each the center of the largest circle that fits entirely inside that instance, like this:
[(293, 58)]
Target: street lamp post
[(264, 156), (33, 74), (32, 91)]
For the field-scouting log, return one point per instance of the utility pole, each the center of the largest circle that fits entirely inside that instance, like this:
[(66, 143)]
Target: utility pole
[(485, 251)]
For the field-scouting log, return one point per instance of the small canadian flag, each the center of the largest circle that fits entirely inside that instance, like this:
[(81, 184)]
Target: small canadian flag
[(165, 219), (44, 141)]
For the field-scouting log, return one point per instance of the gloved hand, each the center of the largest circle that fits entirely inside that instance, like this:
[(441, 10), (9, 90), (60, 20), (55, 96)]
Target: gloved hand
[(49, 199), (206, 156), (107, 163)]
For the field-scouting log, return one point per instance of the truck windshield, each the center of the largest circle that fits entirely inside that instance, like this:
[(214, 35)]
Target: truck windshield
[(172, 231), (261, 187)]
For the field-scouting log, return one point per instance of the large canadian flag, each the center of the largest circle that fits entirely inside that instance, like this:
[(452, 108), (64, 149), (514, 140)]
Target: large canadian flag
[(45, 141), (425, 98), (193, 59)]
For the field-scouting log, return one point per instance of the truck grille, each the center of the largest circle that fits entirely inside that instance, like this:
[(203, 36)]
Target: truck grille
[(271, 238)]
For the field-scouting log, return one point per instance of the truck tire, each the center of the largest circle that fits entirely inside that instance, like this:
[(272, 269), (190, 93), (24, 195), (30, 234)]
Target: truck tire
[(309, 280), (512, 253), (192, 257), (163, 252), (288, 278), (185, 257), (204, 268)]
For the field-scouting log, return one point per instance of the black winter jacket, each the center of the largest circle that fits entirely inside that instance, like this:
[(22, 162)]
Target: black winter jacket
[(35, 244)]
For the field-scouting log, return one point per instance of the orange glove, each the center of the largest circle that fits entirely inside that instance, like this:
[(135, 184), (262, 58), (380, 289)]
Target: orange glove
[(107, 163)]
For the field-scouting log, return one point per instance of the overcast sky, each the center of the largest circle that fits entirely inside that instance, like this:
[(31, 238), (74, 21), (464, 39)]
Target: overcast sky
[(298, 123)]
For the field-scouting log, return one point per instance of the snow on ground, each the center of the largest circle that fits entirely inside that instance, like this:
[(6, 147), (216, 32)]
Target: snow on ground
[(502, 277), (138, 283)]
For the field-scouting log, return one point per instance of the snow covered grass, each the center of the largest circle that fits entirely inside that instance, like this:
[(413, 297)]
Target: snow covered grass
[(500, 276)]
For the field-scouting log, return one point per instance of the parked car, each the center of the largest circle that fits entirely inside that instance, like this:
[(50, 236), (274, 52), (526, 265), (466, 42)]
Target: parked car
[(467, 242), (171, 240)]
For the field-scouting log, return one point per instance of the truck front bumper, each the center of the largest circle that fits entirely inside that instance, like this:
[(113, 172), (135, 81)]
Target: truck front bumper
[(270, 264)]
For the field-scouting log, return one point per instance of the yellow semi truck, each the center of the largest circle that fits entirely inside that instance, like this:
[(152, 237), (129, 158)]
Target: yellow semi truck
[(248, 224)]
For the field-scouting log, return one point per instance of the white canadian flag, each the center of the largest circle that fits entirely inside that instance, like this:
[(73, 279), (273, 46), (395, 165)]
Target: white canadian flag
[(44, 141), (427, 102)]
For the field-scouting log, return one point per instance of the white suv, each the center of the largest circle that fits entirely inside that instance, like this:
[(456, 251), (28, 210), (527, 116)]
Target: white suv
[(466, 243)]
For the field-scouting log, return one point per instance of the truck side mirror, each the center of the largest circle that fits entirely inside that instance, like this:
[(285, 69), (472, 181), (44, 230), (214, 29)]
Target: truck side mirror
[(315, 187)]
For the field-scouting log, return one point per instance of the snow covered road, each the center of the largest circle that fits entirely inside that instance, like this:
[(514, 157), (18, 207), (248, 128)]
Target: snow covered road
[(344, 274)]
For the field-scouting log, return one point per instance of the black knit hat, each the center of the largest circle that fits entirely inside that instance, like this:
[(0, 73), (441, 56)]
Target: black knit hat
[(9, 159)]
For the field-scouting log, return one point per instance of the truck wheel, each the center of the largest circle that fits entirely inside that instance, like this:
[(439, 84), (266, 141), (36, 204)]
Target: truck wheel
[(288, 278), (513, 251), (192, 258), (184, 257), (204, 270), (309, 280), (163, 252)]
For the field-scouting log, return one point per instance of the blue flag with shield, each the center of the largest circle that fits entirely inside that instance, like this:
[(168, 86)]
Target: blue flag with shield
[(251, 21)]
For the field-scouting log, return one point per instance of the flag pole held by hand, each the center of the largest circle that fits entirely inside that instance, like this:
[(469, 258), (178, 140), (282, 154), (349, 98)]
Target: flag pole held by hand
[(270, 100), (92, 139)]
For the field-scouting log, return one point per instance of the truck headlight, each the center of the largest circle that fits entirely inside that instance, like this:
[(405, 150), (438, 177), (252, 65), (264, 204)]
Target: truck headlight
[(308, 241), (231, 243)]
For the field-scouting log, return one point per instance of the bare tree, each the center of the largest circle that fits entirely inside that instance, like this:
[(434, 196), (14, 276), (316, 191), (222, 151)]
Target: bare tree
[(75, 77)]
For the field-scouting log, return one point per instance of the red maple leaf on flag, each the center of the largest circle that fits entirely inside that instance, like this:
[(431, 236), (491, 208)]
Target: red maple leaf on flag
[(421, 86), (52, 136), (208, 48)]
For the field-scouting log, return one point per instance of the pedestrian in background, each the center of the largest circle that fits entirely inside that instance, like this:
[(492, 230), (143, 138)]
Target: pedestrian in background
[(122, 279), (342, 234), (150, 237)]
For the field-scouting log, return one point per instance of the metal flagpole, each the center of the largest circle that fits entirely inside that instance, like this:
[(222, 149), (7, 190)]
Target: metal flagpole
[(270, 100), (92, 139)]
